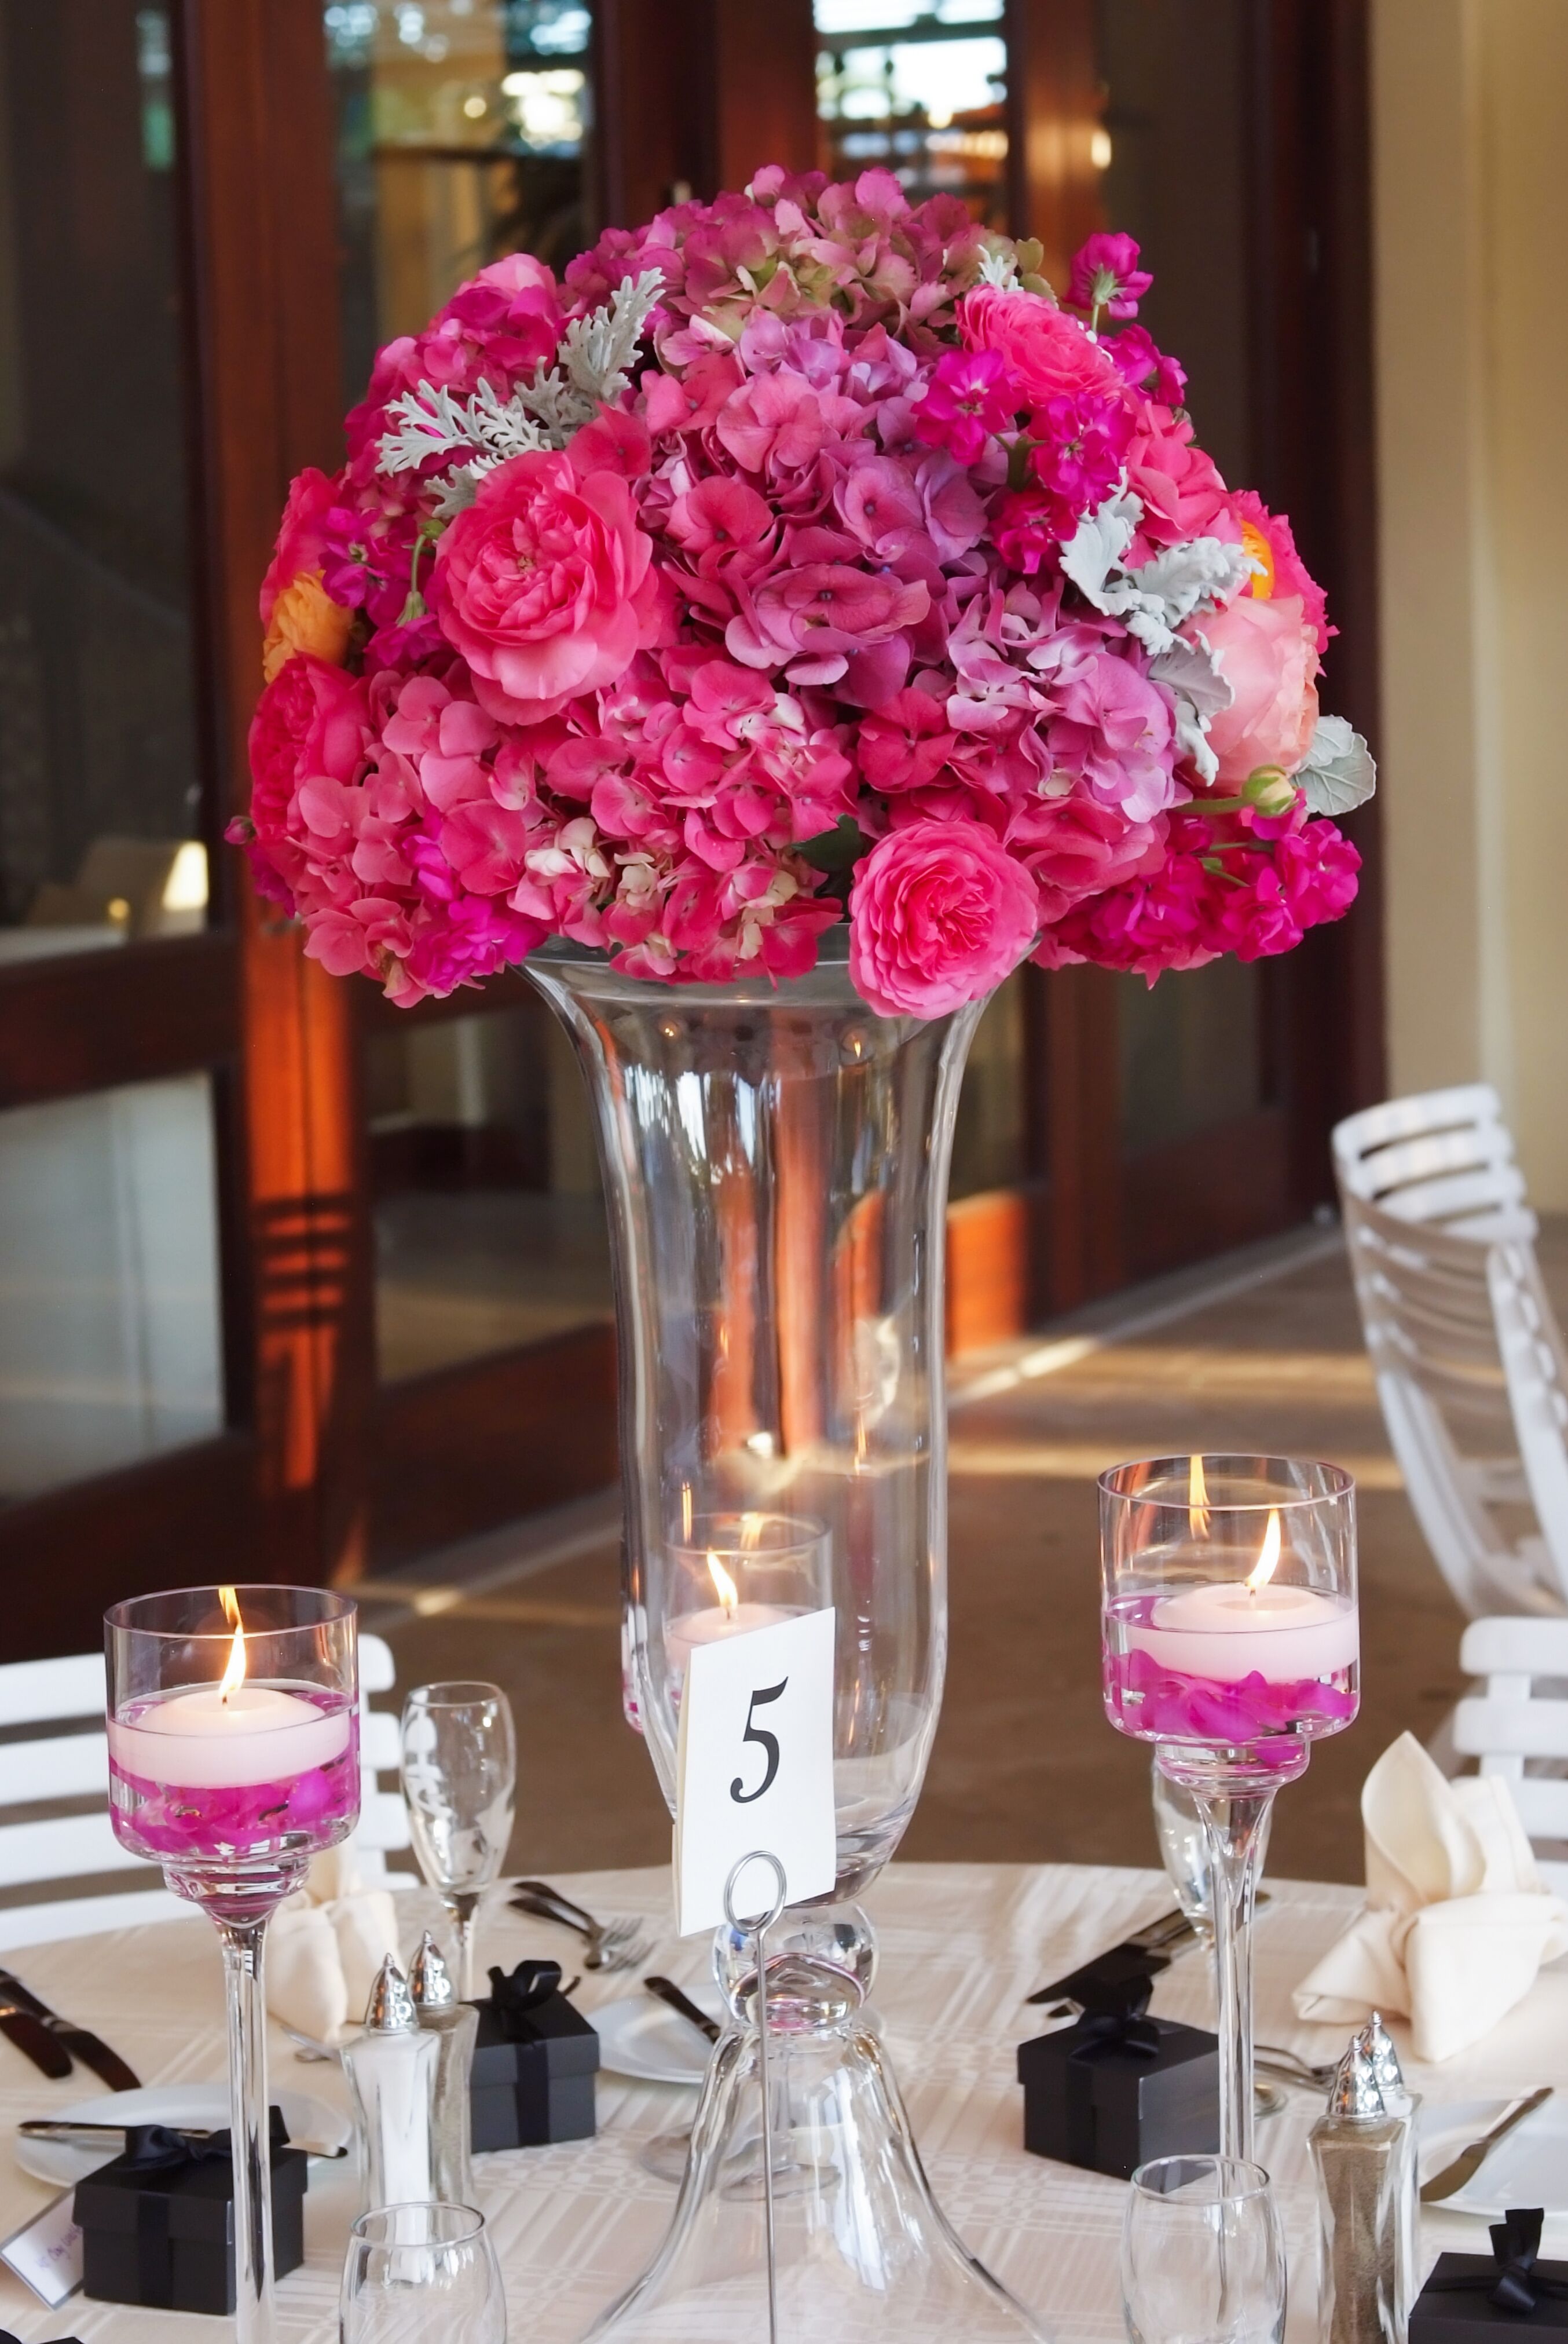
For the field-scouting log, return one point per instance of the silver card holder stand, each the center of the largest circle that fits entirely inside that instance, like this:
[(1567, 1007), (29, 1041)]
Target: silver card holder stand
[(756, 1926)]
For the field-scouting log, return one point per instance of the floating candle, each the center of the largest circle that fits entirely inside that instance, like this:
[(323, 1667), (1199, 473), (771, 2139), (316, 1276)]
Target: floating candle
[(230, 1736), (1231, 1629), (717, 1623)]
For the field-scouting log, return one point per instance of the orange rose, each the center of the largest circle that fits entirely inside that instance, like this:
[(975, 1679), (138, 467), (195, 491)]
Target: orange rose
[(305, 618)]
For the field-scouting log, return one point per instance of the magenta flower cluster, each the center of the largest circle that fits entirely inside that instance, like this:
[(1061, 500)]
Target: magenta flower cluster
[(799, 624)]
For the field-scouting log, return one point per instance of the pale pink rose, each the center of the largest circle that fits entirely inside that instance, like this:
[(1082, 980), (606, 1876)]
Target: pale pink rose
[(1269, 657), (543, 585), (940, 914), (1049, 354)]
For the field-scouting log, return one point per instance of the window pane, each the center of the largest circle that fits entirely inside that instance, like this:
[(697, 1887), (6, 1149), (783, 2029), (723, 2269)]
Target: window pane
[(109, 1329), (1175, 73), (490, 1226), (464, 132), (98, 788), (920, 90)]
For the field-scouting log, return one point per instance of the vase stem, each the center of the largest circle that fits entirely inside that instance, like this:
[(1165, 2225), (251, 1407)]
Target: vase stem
[(250, 2127), (1235, 1825)]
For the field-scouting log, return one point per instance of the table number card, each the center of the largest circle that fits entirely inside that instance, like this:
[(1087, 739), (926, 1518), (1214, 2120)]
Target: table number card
[(47, 2252), (755, 1768)]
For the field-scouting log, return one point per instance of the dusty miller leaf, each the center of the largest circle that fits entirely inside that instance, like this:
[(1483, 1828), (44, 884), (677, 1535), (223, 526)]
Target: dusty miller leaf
[(1339, 774)]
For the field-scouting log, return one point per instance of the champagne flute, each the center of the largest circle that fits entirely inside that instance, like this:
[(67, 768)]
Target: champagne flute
[(459, 1780)]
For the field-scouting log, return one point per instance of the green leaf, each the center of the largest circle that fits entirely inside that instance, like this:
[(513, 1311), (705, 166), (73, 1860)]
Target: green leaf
[(839, 849)]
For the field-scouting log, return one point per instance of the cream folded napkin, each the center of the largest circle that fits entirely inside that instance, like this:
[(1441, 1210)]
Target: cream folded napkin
[(325, 1946), (1456, 1923)]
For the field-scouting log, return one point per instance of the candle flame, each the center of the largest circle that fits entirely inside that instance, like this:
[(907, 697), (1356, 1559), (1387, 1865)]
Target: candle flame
[(1268, 1557), (729, 1595), (1197, 1497), (686, 1510), (234, 1675), (750, 1533)]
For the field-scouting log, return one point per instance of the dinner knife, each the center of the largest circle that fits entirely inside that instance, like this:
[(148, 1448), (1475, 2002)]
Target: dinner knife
[(1144, 1954), (667, 1991), (1469, 2162), (108, 2136), (30, 2034), (90, 2048)]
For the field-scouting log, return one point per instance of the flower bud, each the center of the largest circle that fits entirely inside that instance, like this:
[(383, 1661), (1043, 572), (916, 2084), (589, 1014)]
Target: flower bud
[(1270, 788)]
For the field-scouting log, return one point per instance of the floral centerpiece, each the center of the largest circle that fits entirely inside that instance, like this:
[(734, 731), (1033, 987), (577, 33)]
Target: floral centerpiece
[(802, 557)]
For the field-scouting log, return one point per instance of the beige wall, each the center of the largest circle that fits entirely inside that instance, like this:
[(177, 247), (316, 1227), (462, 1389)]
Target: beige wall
[(1470, 212)]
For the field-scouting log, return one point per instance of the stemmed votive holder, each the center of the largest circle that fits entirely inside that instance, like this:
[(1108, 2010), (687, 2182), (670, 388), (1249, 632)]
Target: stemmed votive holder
[(1230, 1640), (234, 1758)]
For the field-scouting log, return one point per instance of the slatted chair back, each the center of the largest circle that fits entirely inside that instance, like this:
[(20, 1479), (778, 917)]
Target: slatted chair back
[(1441, 1248), (48, 1770), (1518, 1725)]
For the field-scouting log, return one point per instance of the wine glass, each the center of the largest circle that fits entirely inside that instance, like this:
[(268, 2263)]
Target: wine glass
[(1202, 2261), (459, 1780), (416, 2272), (234, 1758), (1230, 1639)]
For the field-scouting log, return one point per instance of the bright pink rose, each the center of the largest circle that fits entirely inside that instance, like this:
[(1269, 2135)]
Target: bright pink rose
[(311, 720), (940, 913), (1267, 656), (1182, 493), (543, 585), (1270, 539), (1048, 354), (302, 536)]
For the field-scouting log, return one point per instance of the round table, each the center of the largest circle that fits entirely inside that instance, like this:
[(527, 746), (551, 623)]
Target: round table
[(961, 1947)]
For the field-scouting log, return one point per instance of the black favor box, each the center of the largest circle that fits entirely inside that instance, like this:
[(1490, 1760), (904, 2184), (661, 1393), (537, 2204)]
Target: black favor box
[(1110, 2104), (163, 2236), (532, 2079), (1443, 2314)]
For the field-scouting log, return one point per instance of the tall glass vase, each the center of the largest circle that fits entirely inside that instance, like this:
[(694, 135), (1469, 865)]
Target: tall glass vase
[(775, 1164)]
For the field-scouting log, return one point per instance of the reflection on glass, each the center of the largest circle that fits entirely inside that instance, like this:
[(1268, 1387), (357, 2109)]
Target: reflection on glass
[(109, 1331), (990, 1142), (99, 792), (917, 89), (490, 1224), (464, 132)]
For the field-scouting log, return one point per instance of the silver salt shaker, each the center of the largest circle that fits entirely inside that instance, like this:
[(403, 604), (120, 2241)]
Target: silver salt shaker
[(391, 2070), (454, 2024), (1363, 2157)]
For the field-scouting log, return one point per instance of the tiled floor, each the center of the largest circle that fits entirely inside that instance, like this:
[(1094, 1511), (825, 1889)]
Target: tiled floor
[(1262, 1352)]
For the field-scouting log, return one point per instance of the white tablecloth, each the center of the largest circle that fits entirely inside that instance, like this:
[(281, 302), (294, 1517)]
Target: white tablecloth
[(963, 1945)]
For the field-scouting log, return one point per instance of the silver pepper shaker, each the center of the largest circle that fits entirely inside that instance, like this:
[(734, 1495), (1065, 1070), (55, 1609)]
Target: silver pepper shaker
[(1363, 2156), (391, 2070), (454, 2024)]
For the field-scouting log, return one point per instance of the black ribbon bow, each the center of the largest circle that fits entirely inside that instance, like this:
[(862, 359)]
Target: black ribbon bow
[(1113, 2019), (162, 2148), (530, 1985), (1513, 2283)]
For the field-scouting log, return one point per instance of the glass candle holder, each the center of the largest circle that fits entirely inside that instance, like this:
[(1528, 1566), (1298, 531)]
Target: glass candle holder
[(732, 1572), (1230, 1639), (234, 1758)]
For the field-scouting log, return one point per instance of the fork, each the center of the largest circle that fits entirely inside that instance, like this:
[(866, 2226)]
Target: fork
[(609, 1944), (1275, 2060)]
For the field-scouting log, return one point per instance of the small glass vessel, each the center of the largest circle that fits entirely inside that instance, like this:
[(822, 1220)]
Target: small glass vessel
[(391, 2069), (455, 2025)]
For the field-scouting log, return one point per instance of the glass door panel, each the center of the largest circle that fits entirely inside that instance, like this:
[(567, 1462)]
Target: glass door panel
[(489, 1222), (918, 88), (1175, 174), (109, 1320), (100, 806)]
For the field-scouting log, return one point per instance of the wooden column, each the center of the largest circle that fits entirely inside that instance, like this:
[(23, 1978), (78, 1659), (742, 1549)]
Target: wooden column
[(257, 121), (1053, 105)]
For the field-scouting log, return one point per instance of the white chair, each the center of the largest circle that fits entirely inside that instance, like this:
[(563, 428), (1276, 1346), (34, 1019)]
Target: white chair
[(66, 1767), (1512, 1728), (1462, 1341)]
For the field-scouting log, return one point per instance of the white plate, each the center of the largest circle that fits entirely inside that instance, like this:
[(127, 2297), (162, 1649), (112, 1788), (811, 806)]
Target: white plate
[(642, 2036), (204, 2107), (1528, 2169)]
